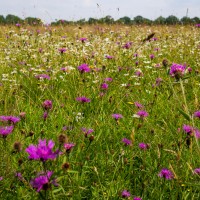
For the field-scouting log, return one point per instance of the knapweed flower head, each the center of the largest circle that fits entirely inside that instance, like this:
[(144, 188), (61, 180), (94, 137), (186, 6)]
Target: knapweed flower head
[(83, 99), (1, 178), (117, 116), (127, 142), (42, 76), (177, 70), (142, 114), (197, 114), (197, 25), (47, 104), (137, 198), (62, 50), (9, 119), (127, 45), (83, 39), (138, 105), (152, 56), (87, 131), (197, 133), (6, 130), (125, 194), (104, 86), (18, 24), (84, 68), (197, 171), (188, 129), (109, 57), (108, 79), (68, 146), (43, 181), (138, 73), (166, 174), (158, 81), (43, 151), (143, 146)]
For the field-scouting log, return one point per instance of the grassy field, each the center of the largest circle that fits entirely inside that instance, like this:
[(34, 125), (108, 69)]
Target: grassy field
[(100, 112)]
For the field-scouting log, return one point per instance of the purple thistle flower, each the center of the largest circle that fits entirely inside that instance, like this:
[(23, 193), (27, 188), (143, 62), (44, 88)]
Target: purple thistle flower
[(188, 129), (138, 73), (158, 81), (125, 194), (197, 133), (166, 174), (177, 70), (126, 141), (42, 181), (45, 115), (197, 25), (109, 57), (42, 76), (197, 114), (197, 171), (137, 198), (47, 104), (117, 116), (143, 146), (62, 50), (42, 151), (127, 45), (84, 68), (142, 114), (68, 146), (138, 105), (83, 39), (152, 56), (10, 119), (18, 25), (1, 178), (104, 86), (108, 79), (87, 131), (83, 99), (6, 130)]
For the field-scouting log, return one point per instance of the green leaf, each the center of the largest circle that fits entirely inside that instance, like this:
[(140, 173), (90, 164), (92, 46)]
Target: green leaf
[(185, 115)]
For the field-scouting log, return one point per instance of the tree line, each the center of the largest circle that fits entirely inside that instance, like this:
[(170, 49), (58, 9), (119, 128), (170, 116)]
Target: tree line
[(170, 20)]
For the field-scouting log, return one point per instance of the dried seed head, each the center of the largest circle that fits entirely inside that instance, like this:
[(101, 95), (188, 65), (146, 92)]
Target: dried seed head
[(91, 138), (62, 138), (65, 166), (17, 146), (165, 62)]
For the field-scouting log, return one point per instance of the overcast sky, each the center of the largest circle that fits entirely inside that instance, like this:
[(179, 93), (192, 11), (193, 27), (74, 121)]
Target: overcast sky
[(49, 10)]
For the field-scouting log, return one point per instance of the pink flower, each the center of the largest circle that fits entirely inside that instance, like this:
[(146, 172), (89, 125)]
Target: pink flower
[(42, 151)]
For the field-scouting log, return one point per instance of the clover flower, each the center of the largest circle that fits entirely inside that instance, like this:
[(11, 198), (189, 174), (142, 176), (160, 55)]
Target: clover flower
[(42, 151), (166, 174)]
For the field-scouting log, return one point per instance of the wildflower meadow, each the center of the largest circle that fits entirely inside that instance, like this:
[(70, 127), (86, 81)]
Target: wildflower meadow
[(100, 112)]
